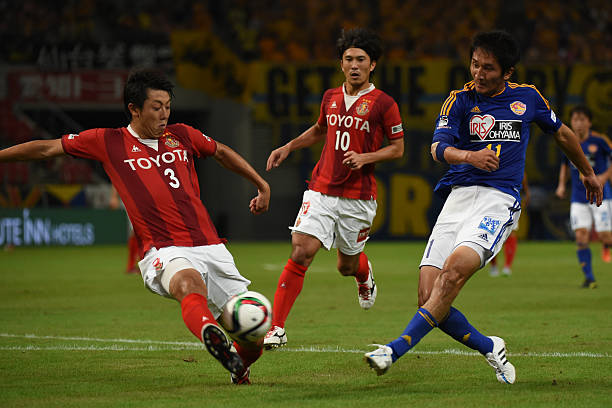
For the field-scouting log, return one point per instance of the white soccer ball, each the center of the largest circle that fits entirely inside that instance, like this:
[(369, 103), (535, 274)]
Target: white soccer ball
[(247, 317)]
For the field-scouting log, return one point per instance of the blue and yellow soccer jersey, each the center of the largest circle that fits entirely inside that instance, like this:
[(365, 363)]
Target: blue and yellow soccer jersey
[(470, 121), (598, 152)]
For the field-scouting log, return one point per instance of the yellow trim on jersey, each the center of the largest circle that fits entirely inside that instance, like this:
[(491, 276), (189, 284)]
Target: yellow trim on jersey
[(448, 103), (513, 85)]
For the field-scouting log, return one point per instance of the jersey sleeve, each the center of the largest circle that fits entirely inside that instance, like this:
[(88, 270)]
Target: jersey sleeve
[(544, 116), (88, 144), (392, 122), (449, 120), (322, 121), (203, 145)]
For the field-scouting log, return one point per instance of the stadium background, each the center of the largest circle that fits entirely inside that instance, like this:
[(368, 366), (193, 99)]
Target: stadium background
[(251, 74)]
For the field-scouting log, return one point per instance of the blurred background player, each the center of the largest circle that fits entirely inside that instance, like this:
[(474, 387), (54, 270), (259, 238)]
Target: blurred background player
[(482, 132), (150, 163), (340, 204), (511, 243), (583, 215), (132, 245)]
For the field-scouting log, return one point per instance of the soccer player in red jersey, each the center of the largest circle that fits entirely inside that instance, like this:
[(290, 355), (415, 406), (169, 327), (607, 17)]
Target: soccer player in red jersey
[(150, 164), (340, 203)]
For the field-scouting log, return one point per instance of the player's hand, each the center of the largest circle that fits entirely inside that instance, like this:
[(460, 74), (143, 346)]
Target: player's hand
[(277, 157), (484, 159), (594, 190), (353, 160), (560, 192), (261, 202)]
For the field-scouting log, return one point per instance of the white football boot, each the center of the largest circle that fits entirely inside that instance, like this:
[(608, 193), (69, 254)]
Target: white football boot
[(367, 290), (505, 372), (506, 271), (380, 359), (276, 337)]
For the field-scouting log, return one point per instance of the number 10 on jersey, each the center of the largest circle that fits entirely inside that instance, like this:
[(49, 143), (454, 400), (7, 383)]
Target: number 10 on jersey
[(343, 140)]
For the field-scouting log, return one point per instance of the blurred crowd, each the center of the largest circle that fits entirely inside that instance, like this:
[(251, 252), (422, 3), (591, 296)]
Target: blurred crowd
[(282, 30), (110, 34)]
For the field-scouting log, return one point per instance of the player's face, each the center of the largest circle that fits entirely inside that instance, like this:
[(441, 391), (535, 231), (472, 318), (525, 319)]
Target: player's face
[(356, 66), (487, 73), (580, 124), (150, 121)]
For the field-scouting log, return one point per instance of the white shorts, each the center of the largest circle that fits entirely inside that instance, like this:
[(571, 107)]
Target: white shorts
[(479, 217), (584, 215), (214, 262), (338, 222)]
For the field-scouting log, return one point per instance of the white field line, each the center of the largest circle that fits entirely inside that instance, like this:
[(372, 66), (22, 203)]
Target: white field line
[(158, 345)]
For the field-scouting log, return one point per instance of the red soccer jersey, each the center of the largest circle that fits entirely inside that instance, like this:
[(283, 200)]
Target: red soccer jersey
[(361, 128), (159, 188)]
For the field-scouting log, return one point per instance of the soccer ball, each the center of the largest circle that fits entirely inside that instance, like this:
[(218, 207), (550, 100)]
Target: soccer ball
[(247, 317)]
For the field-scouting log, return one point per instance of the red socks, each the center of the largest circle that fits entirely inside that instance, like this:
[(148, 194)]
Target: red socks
[(248, 356), (132, 252), (510, 250), (196, 313), (364, 269), (289, 287)]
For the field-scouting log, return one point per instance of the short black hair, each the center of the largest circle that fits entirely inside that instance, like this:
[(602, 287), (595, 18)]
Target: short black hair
[(362, 38), (501, 44), (581, 109), (138, 82)]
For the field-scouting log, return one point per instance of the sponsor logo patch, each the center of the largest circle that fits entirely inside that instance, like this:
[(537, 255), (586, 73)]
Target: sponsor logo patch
[(396, 129), (171, 142), (72, 136), (363, 234), (475, 109), (363, 107), (484, 128), (206, 137), (518, 107), (135, 149), (484, 237), (333, 105), (592, 148), (305, 207), (553, 116), (489, 224), (157, 264), (442, 122)]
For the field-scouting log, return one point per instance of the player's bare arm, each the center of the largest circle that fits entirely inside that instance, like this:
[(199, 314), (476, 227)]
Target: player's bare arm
[(231, 160), (484, 159), (312, 135), (568, 142), (394, 150), (34, 150), (563, 175)]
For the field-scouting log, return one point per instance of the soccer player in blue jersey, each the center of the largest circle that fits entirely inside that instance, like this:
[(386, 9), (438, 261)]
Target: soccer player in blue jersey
[(482, 132), (583, 215)]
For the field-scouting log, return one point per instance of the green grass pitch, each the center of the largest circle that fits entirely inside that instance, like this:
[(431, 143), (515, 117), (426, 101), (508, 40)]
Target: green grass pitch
[(78, 332)]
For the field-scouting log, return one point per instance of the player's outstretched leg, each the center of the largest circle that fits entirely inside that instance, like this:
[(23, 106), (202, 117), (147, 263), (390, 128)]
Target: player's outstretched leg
[(367, 290), (219, 346), (289, 286), (381, 359), (457, 326), (497, 358)]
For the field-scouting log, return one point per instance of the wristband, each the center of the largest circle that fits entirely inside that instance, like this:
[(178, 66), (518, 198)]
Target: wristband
[(440, 151)]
